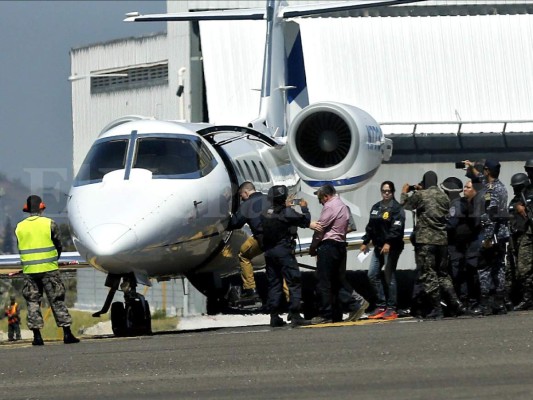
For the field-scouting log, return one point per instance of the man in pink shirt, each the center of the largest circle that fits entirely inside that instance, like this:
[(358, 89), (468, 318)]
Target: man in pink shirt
[(329, 245)]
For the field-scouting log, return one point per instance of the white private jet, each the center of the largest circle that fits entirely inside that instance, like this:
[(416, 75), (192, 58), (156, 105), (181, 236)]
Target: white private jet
[(152, 198)]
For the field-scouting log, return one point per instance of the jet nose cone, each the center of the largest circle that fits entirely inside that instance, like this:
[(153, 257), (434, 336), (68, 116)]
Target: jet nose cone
[(110, 239)]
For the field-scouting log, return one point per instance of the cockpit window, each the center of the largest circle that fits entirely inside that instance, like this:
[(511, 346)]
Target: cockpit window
[(179, 156), (103, 158), (185, 157)]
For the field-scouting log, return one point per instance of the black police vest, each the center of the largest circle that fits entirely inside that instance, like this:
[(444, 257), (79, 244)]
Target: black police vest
[(276, 228)]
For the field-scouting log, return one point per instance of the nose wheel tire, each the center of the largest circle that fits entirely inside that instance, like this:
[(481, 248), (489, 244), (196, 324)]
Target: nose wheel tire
[(132, 318), (118, 319), (138, 317)]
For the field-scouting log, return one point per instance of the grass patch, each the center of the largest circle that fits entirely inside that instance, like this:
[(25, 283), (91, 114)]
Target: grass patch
[(83, 320)]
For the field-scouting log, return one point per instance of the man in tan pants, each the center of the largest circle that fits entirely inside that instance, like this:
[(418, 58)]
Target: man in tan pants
[(249, 212)]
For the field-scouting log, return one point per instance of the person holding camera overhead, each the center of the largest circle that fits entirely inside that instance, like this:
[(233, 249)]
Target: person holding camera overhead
[(281, 263), (385, 230), (431, 241)]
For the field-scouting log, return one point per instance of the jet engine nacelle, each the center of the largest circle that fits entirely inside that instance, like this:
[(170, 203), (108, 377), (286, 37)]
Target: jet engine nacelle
[(338, 144)]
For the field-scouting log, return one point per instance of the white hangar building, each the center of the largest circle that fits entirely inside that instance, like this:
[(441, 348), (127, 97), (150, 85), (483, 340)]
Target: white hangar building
[(434, 61), (448, 80)]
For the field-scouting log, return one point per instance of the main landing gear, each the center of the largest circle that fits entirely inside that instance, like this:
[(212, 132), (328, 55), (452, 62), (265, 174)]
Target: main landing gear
[(131, 317)]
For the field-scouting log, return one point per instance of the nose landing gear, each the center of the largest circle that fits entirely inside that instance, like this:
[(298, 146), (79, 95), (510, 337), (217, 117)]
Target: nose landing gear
[(131, 317)]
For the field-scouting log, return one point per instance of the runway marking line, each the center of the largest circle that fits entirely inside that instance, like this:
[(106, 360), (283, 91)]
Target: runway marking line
[(360, 322)]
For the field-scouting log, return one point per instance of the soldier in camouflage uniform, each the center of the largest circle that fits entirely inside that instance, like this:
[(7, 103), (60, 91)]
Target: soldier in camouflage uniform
[(521, 210), (431, 242), (495, 234), (40, 246)]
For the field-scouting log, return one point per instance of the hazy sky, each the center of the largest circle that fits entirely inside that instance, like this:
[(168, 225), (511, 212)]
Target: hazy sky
[(35, 95)]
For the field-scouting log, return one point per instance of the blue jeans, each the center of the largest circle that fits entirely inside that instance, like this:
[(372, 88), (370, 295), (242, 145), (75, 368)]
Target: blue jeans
[(389, 262)]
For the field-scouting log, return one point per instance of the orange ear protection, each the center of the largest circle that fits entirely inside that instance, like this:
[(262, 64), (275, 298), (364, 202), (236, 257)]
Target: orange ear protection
[(26, 207)]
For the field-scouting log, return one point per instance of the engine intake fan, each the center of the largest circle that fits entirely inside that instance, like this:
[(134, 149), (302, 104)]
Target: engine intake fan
[(323, 139), (335, 143)]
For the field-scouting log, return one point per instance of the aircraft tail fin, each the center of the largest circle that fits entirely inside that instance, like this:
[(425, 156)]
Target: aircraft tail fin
[(297, 95)]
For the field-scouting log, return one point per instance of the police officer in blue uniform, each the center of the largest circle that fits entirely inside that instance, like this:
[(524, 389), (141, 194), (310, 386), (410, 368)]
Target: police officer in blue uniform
[(278, 223), (495, 235)]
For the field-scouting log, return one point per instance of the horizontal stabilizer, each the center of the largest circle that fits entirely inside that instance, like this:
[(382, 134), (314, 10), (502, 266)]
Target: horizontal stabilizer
[(238, 14), (305, 10), (309, 10)]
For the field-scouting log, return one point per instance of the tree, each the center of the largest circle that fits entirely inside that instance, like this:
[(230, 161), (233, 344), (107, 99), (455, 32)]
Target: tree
[(7, 246)]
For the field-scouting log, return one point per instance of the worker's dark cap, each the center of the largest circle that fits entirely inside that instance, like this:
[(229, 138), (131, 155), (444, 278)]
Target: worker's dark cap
[(34, 204), (452, 184), (492, 164)]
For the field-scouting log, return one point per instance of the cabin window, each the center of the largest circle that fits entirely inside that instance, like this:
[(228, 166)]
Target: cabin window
[(249, 171), (237, 171), (240, 169), (265, 171), (260, 178), (104, 157)]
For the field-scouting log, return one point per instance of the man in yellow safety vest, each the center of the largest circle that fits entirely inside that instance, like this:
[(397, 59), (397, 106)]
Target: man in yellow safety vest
[(39, 245)]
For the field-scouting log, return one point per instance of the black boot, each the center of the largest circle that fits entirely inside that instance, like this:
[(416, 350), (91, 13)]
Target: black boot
[(297, 320), (436, 308), (456, 306), (37, 338), (525, 304), (474, 309), (486, 305), (276, 321), (499, 305), (461, 308), (508, 303), (435, 314), (68, 337), (457, 309), (249, 294)]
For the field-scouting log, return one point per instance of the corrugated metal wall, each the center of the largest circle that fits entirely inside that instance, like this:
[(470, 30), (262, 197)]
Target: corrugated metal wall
[(221, 4), (398, 69), (423, 68)]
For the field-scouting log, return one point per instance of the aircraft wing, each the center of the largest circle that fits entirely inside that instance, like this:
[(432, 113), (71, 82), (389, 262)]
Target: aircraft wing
[(305, 10), (69, 259)]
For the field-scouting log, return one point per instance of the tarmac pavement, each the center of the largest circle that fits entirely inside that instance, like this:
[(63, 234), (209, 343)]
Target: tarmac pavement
[(464, 358)]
